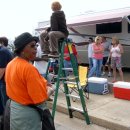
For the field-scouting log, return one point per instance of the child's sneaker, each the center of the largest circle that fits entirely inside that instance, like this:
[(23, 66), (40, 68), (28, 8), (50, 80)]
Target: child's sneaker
[(103, 73), (109, 74)]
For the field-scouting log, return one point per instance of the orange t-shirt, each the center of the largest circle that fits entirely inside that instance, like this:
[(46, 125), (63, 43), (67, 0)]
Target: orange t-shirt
[(24, 84)]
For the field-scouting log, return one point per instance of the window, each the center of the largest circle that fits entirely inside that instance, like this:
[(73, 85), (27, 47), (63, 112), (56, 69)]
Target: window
[(128, 25), (107, 28)]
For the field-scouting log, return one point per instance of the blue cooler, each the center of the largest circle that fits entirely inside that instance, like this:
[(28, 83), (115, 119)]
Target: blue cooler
[(98, 85)]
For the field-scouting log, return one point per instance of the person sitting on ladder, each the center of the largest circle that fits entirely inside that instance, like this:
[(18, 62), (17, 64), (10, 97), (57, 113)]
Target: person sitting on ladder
[(57, 30)]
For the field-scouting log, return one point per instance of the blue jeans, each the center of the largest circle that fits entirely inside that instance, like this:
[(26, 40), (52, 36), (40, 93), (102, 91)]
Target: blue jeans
[(96, 69), (67, 64), (3, 96), (90, 62)]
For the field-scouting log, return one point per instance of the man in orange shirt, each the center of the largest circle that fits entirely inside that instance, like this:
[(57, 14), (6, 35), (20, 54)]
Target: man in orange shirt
[(25, 85)]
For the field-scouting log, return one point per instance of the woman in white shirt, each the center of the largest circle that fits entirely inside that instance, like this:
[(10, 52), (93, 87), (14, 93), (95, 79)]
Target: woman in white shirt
[(115, 53)]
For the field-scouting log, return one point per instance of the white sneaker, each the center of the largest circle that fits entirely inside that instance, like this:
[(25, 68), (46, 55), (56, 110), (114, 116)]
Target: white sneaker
[(109, 74), (103, 73)]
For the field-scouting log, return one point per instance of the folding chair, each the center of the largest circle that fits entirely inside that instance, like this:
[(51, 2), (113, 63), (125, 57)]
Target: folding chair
[(83, 78)]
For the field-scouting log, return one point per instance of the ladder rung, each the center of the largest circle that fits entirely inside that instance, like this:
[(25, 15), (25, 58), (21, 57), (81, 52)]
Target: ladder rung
[(68, 78), (76, 109), (74, 96), (72, 77), (63, 78), (68, 82), (71, 69), (52, 74)]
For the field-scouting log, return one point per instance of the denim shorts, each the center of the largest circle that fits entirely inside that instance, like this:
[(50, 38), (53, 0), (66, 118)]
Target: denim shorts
[(116, 62)]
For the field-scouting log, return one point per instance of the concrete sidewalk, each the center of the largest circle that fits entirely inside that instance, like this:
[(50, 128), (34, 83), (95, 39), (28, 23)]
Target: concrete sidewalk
[(62, 122), (103, 110)]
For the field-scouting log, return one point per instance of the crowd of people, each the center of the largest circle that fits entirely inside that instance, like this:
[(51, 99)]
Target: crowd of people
[(102, 54), (27, 85)]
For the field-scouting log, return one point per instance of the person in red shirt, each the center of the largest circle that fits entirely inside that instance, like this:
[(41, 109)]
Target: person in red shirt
[(67, 62)]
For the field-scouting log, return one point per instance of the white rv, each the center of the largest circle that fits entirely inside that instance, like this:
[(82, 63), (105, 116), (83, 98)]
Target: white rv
[(107, 23)]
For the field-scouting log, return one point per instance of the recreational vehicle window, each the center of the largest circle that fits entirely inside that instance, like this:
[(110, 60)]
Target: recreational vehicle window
[(107, 28), (128, 25)]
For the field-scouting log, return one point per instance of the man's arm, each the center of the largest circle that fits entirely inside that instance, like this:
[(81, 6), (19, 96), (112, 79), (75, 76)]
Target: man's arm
[(41, 59), (2, 71)]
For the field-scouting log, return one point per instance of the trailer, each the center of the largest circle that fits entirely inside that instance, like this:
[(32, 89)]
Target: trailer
[(105, 23)]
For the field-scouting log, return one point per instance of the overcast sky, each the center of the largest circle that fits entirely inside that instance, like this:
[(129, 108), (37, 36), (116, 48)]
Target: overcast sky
[(18, 16)]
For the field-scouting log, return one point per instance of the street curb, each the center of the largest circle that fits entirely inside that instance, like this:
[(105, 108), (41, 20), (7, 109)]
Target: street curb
[(93, 119)]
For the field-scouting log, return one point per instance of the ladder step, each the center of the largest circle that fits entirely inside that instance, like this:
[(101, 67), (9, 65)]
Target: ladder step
[(69, 78), (54, 75), (76, 109), (72, 77), (63, 78), (74, 96), (71, 69), (69, 82)]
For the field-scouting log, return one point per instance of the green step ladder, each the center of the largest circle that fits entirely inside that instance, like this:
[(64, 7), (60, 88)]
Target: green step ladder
[(61, 76)]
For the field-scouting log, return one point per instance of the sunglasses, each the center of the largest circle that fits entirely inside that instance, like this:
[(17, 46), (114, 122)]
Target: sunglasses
[(33, 45)]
